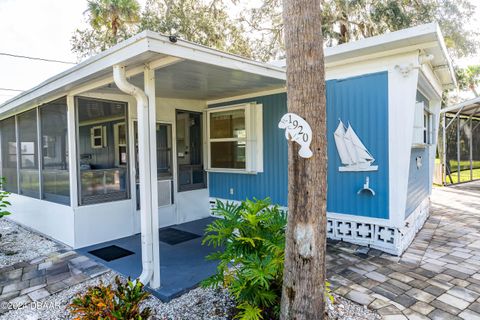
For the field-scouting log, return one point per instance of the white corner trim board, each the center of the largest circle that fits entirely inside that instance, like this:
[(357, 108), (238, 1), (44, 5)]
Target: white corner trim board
[(364, 231), (298, 130)]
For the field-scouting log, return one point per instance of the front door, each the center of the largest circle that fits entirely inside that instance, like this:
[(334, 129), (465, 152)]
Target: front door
[(164, 164), (191, 175)]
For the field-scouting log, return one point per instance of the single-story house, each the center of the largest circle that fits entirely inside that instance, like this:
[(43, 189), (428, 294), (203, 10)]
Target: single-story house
[(154, 130)]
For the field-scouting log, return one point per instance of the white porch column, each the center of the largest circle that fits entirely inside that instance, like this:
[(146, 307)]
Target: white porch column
[(72, 152), (149, 83)]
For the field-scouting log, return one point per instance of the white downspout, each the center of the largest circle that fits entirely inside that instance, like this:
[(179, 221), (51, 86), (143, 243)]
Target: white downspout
[(120, 80)]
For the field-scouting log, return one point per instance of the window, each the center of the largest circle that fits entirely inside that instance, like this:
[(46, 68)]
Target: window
[(9, 154), (120, 141), (103, 161), (423, 125), (234, 138), (54, 134), (27, 136), (98, 137)]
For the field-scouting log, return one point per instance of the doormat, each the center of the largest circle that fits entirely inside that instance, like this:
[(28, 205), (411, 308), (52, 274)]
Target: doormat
[(174, 236), (111, 253)]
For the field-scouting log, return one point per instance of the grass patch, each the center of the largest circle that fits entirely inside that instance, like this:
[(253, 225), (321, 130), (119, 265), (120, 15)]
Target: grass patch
[(464, 176)]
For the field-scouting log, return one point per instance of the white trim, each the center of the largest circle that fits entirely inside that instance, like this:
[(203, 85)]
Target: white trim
[(72, 151), (248, 96), (253, 141)]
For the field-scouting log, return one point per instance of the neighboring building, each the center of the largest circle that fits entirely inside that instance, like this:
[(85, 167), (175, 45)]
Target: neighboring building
[(73, 154)]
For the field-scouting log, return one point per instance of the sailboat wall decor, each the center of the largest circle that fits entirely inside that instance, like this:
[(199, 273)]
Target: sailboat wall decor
[(353, 154)]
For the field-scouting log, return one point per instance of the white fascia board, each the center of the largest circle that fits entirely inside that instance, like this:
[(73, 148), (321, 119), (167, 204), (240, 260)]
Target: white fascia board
[(446, 57), (194, 52)]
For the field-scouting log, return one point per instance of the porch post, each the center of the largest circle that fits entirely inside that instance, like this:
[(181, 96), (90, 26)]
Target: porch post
[(72, 151), (149, 83)]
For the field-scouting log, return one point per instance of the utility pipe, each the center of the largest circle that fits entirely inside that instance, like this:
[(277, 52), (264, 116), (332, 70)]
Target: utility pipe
[(122, 83)]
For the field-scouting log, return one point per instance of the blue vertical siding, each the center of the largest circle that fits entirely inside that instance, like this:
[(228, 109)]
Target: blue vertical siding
[(362, 102), (272, 182), (418, 180)]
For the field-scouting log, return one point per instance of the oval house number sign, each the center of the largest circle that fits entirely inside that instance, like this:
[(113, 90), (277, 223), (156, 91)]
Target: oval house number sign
[(298, 130)]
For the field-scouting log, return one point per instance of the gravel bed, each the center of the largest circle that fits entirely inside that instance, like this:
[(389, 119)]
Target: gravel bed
[(344, 309), (19, 244)]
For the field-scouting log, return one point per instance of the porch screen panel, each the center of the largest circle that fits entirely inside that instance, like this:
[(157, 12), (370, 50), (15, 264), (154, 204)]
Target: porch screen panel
[(103, 155), (55, 174), (28, 138), (9, 154)]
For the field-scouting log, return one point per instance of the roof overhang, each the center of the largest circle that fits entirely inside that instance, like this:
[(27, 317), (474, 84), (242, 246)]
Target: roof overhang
[(426, 38), (466, 108), (238, 75)]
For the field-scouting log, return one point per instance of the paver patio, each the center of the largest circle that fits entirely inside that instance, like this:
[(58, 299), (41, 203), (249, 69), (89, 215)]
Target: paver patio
[(438, 277), (25, 282)]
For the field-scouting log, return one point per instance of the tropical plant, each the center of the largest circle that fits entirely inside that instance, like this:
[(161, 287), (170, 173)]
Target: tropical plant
[(110, 21), (251, 239), (106, 302), (3, 202), (205, 22), (469, 78)]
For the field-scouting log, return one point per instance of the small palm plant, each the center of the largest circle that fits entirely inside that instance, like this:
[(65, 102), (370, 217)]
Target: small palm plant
[(3, 202), (251, 237)]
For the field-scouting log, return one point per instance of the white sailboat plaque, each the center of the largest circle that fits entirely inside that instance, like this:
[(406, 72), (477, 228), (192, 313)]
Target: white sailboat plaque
[(353, 154)]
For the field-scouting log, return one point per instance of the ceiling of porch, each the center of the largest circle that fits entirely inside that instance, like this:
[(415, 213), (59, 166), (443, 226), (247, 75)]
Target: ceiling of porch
[(188, 79)]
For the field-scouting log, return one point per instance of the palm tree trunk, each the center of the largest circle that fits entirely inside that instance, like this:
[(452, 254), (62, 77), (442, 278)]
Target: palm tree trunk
[(304, 275)]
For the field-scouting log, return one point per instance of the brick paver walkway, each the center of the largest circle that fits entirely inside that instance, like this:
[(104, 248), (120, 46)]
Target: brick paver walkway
[(438, 277), (25, 282)]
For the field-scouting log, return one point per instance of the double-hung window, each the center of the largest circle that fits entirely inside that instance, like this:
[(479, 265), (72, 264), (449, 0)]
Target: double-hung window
[(235, 138)]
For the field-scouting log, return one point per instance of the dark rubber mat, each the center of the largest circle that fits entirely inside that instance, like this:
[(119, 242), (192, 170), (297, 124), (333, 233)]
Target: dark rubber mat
[(174, 236), (111, 253)]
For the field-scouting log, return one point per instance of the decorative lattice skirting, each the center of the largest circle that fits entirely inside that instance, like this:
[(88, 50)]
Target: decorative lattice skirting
[(382, 237)]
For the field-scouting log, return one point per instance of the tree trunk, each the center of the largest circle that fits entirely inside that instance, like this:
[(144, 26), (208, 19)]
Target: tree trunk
[(303, 294)]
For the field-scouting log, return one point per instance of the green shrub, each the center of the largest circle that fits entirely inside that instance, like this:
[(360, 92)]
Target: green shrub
[(251, 237), (103, 302), (3, 202)]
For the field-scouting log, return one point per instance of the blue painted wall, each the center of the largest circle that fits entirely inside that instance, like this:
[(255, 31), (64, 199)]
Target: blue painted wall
[(363, 102), (418, 180), (272, 182)]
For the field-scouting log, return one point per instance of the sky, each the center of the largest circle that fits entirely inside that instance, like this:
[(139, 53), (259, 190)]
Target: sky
[(43, 28)]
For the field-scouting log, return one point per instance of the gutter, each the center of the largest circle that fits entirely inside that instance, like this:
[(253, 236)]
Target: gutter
[(122, 83)]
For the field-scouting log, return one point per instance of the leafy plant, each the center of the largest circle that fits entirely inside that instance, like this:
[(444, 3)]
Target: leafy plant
[(104, 302), (3, 202), (252, 238)]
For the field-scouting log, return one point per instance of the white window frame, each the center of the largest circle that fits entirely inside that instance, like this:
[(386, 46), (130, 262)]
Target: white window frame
[(102, 137), (422, 131), (253, 140)]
